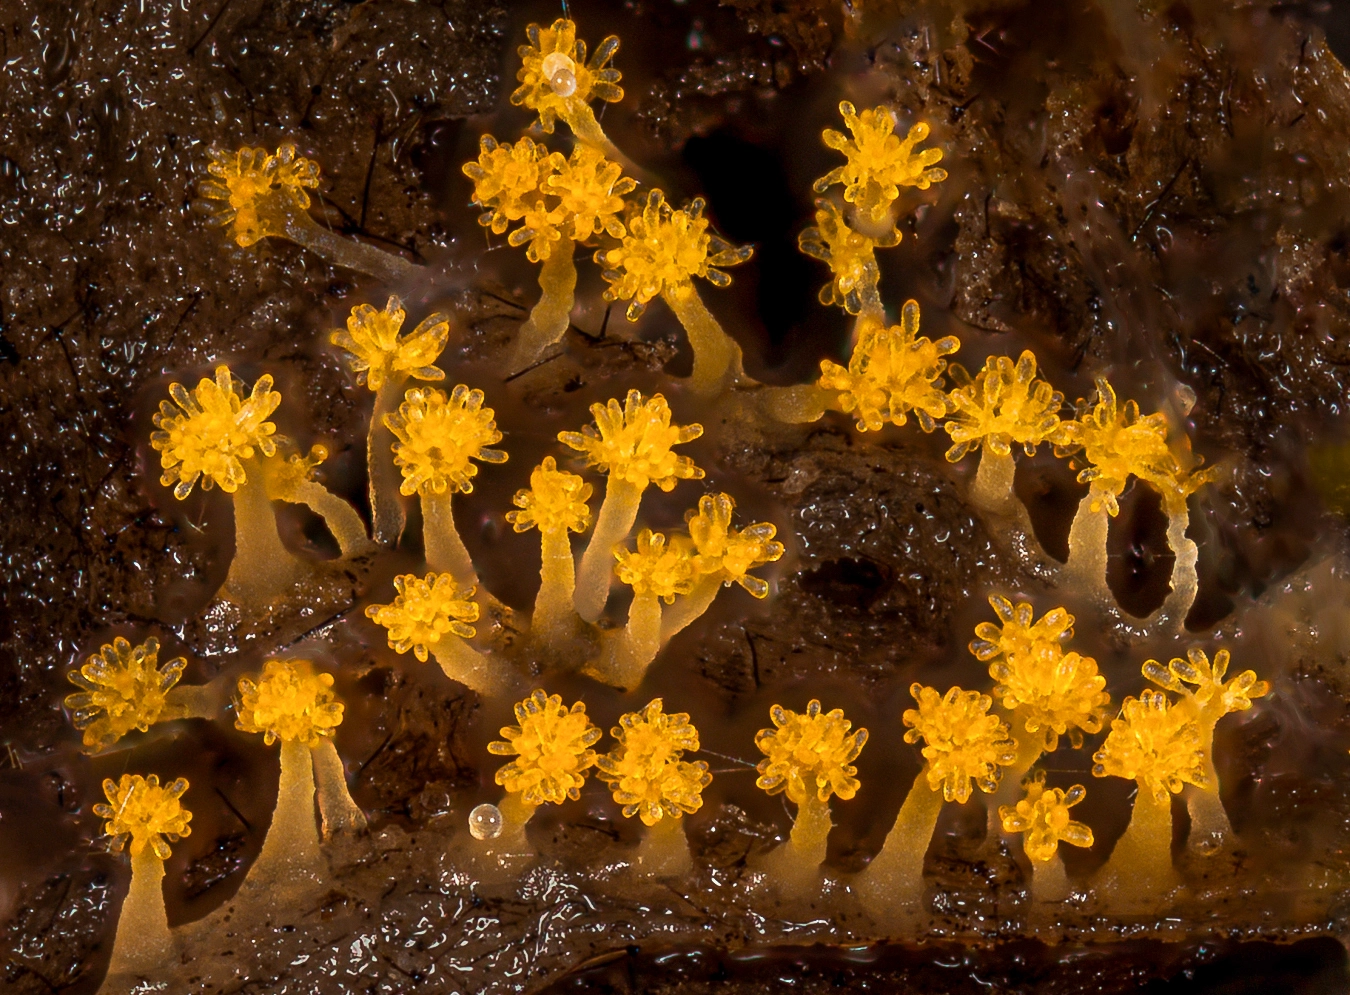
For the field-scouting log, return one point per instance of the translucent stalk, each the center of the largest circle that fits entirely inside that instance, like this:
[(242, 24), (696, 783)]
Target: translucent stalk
[(462, 663), (1185, 579), (893, 881), (1030, 747), (1139, 874), (339, 814), (290, 853), (143, 945), (664, 850), (339, 516), (444, 548), (262, 567), (581, 119), (516, 813), (191, 701), (554, 617), (795, 865), (1087, 549), (383, 266), (1211, 829), (1049, 883), (639, 644), (717, 357), (549, 318), (677, 617), (382, 476), (618, 512), (798, 405), (993, 486)]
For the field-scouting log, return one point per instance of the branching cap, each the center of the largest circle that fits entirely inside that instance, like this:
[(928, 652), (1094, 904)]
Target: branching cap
[(290, 702), (554, 72), (123, 688), (657, 568), (1018, 634), (663, 249), (892, 372), (258, 192), (552, 746), (964, 743), (139, 809), (591, 192), (645, 771), (438, 436), (285, 476), (1056, 692), (1155, 743), (731, 553), (879, 163), (424, 612), (554, 503), (507, 179), (378, 355), (212, 429), (809, 754), (1043, 816), (1005, 405), (1212, 696), (633, 442), (849, 254)]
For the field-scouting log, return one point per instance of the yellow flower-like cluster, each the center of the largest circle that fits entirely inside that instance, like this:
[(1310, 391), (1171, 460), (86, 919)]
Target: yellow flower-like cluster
[(123, 688), (964, 743), (665, 249), (284, 476), (809, 754), (879, 163), (1155, 743), (849, 254), (633, 442), (290, 702), (554, 503), (257, 192), (645, 771), (657, 567), (552, 745), (1005, 405), (438, 436), (424, 611), (590, 191), (1018, 634), (1043, 816), (506, 179), (140, 809), (731, 553), (1057, 692), (213, 428), (1212, 697), (379, 355), (892, 372), (554, 72)]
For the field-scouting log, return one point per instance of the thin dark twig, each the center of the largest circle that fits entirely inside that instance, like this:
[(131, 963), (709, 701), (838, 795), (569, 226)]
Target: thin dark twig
[(209, 28), (237, 814)]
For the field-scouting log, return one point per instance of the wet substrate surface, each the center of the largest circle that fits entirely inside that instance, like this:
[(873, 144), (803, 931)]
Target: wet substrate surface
[(1157, 194)]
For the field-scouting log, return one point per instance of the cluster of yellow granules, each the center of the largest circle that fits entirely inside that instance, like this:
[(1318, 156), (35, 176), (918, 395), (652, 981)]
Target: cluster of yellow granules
[(428, 443)]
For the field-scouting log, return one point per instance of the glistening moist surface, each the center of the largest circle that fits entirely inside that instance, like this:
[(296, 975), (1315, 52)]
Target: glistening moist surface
[(1155, 195)]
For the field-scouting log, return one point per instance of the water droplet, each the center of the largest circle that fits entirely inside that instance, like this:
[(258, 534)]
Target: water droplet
[(485, 822)]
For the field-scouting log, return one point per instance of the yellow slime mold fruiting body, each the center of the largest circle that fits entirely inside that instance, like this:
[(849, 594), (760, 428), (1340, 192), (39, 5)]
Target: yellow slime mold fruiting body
[(725, 556), (292, 480), (650, 780), (432, 614), (263, 195), (558, 81), (851, 258), (216, 435), (383, 360), (963, 744), (139, 809), (555, 503), (809, 755), (125, 688), (893, 372), (1042, 816), (632, 444), (879, 163), (661, 254), (656, 572), (437, 437), (1211, 699), (1156, 744), (1003, 406)]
